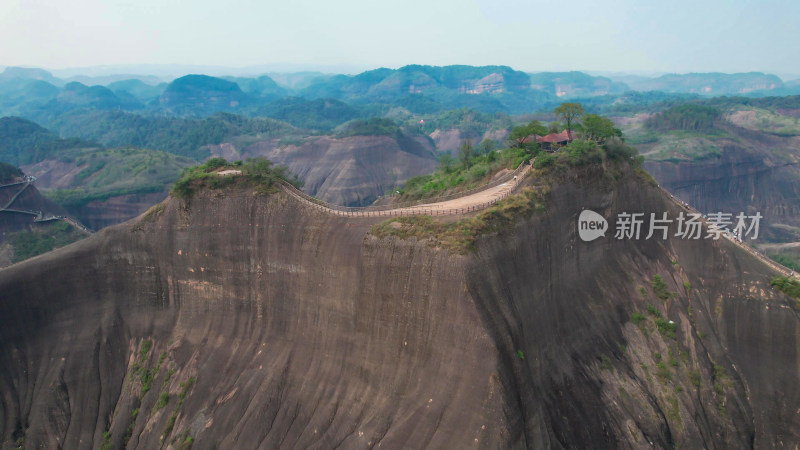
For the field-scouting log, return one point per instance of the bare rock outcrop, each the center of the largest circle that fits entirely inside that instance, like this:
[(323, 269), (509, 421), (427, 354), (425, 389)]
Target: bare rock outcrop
[(244, 320)]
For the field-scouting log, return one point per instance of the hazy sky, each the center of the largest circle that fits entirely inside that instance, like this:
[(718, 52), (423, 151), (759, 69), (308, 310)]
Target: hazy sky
[(609, 35)]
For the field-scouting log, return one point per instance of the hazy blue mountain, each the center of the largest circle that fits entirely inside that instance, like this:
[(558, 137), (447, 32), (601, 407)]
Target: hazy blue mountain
[(106, 80), (320, 114), (30, 73), (710, 84), (263, 87), (25, 142), (487, 88), (76, 95), (79, 94), (18, 96), (144, 92), (20, 90), (415, 79), (297, 80), (178, 135), (575, 84), (201, 95)]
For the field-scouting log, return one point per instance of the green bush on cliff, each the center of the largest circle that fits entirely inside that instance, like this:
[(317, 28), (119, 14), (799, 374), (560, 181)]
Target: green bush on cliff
[(163, 398), (581, 152), (461, 236), (789, 286), (452, 177), (258, 173), (786, 260), (660, 288), (666, 327)]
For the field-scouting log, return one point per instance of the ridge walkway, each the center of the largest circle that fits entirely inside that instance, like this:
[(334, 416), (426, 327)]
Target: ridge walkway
[(752, 251), (38, 215), (476, 200), (460, 203)]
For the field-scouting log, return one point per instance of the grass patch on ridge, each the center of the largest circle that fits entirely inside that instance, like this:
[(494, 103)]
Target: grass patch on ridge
[(461, 236)]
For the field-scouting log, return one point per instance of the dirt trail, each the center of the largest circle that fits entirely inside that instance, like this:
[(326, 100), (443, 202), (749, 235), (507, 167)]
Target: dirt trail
[(460, 205), (744, 246)]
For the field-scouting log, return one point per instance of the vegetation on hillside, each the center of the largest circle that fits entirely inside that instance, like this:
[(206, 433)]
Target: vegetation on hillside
[(24, 142), (258, 173), (109, 173), (376, 126), (581, 152), (691, 117), (596, 140), (786, 260), (766, 120), (523, 135), (465, 120), (789, 286), (42, 239), (569, 112), (599, 140), (8, 173), (461, 236), (319, 114), (474, 170), (184, 137)]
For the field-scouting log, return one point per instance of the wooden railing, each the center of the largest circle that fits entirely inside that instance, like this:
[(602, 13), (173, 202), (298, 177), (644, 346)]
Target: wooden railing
[(416, 208), (438, 199), (752, 251)]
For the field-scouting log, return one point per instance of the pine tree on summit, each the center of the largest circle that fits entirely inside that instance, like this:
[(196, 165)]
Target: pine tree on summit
[(569, 112)]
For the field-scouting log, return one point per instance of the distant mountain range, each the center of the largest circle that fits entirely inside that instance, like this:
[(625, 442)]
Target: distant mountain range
[(709, 84), (39, 95)]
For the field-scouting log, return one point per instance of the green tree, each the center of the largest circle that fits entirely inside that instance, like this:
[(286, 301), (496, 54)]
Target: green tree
[(519, 134), (536, 127), (486, 146), (598, 128), (581, 152), (466, 153), (569, 112), (446, 162)]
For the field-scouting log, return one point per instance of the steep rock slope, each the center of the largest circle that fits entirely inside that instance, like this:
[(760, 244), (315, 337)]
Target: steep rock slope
[(352, 171), (744, 171), (16, 196), (243, 320)]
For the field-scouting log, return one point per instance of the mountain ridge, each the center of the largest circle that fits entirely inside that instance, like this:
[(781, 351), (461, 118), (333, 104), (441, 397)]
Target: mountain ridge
[(226, 305)]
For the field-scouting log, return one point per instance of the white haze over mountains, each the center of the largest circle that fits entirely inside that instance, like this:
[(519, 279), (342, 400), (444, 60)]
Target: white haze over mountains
[(350, 36)]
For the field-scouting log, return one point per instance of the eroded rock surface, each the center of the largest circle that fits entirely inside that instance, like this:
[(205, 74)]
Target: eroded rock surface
[(241, 320)]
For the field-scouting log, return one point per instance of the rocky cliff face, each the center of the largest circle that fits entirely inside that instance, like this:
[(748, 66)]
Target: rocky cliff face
[(753, 172), (352, 171), (244, 320), (98, 214), (28, 199)]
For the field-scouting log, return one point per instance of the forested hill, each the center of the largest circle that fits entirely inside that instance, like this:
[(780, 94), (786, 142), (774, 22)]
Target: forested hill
[(37, 95), (25, 142)]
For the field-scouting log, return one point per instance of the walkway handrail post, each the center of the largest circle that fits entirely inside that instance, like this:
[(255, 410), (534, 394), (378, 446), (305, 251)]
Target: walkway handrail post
[(401, 209)]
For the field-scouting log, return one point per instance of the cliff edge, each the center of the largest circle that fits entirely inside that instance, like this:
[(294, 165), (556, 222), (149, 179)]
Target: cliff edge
[(248, 320)]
